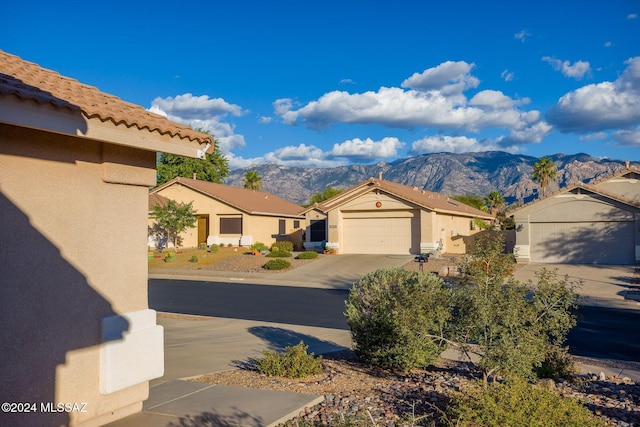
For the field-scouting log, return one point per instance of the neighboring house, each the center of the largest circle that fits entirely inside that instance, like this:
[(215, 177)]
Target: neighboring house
[(595, 223), (75, 168), (383, 217), (233, 215)]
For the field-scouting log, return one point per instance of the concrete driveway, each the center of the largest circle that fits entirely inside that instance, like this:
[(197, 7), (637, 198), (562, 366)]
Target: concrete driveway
[(612, 286)]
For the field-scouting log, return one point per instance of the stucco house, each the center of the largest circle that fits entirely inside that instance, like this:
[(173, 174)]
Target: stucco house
[(75, 168), (384, 217), (233, 215), (595, 223)]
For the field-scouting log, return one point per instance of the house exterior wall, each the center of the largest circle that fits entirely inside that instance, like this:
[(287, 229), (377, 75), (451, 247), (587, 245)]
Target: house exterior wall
[(578, 226), (74, 295), (430, 231), (255, 228)]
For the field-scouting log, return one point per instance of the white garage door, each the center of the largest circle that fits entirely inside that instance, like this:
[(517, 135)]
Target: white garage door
[(583, 243), (378, 236)]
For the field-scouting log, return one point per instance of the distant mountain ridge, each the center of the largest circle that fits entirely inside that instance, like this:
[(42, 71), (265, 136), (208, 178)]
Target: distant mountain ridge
[(451, 174)]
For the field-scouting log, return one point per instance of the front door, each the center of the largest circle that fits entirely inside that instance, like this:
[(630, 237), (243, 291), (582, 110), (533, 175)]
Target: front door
[(203, 229)]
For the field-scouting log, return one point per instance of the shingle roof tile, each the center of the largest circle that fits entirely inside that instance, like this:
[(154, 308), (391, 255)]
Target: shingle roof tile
[(29, 81)]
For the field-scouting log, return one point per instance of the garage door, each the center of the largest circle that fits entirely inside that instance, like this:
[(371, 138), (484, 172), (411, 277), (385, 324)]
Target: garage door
[(379, 236), (583, 243)]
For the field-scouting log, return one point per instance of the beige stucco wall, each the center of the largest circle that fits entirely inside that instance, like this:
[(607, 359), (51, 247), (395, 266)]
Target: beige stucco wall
[(256, 228), (73, 225)]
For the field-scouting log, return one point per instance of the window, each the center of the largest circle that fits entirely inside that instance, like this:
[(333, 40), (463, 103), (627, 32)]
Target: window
[(318, 230), (231, 225), (282, 226), (296, 224)]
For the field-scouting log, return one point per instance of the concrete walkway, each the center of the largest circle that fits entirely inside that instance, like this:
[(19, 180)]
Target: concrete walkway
[(196, 346)]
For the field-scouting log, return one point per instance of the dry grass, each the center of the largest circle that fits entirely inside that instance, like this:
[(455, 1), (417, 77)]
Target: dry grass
[(205, 258)]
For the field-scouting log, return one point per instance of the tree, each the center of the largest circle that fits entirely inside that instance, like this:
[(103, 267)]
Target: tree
[(173, 219), (544, 170), (473, 201), (514, 328), (320, 197), (252, 180), (214, 167), (494, 201)]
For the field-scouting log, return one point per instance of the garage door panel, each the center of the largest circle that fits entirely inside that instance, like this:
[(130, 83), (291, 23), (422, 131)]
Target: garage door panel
[(583, 243), (378, 235)]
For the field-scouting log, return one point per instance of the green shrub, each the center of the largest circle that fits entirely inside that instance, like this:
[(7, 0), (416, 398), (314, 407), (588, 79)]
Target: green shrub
[(169, 256), (258, 246), (518, 403), (295, 362), (395, 315), (308, 255), (214, 248), (279, 254), (276, 264), (202, 246), (194, 258), (282, 246), (229, 245), (558, 363)]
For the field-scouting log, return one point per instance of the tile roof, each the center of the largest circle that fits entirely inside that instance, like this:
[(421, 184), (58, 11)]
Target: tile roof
[(592, 186), (251, 201), (427, 199), (155, 200), (29, 81)]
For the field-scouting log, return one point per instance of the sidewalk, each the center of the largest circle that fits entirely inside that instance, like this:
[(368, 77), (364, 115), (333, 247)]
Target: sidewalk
[(197, 347)]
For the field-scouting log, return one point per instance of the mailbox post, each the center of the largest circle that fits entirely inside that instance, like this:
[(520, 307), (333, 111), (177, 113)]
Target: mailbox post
[(422, 258)]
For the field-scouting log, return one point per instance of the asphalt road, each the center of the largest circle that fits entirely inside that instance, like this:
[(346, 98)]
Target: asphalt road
[(266, 303), (602, 332)]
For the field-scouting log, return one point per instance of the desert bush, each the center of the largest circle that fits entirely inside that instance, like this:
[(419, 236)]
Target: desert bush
[(282, 246), (169, 256), (229, 245), (202, 246), (276, 264), (396, 316), (194, 258), (258, 246), (558, 363), (295, 362), (279, 254), (517, 403), (214, 248), (308, 255)]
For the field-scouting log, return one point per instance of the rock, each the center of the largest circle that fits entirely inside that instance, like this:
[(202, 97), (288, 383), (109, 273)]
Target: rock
[(602, 376), (547, 383), (443, 272)]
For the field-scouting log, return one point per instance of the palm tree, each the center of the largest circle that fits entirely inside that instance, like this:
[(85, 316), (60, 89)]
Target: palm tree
[(252, 180), (544, 170), (494, 201)]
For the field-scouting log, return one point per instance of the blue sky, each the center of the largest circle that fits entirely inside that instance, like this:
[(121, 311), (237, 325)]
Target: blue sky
[(328, 83)]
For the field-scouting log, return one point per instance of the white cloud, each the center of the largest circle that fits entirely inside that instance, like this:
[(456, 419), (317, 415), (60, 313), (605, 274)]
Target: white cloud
[(265, 120), (202, 112), (367, 149), (432, 99), (522, 35), (632, 16), (608, 44), (450, 144), (577, 71), (594, 136), (347, 82), (597, 107), (496, 100), (629, 137), (507, 75), (448, 78)]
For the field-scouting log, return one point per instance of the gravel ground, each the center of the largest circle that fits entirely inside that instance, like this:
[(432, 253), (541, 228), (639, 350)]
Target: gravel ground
[(351, 389), (354, 390)]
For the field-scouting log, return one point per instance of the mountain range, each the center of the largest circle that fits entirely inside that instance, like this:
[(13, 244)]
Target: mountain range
[(451, 174)]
